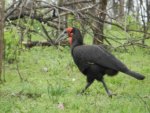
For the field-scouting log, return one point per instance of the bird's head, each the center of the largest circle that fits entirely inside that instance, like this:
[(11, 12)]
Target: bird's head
[(73, 34)]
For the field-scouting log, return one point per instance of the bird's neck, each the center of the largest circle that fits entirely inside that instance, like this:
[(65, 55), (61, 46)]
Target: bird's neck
[(76, 43), (77, 39)]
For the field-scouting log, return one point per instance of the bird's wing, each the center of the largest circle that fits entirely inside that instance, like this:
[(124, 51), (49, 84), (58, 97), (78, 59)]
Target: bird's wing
[(98, 55)]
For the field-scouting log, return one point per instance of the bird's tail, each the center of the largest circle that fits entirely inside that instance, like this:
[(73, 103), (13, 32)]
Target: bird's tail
[(135, 75)]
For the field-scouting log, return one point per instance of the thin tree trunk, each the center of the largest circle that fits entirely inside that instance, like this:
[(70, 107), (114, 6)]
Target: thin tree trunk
[(144, 23), (130, 6), (1, 36), (115, 8), (121, 9), (148, 10), (98, 27)]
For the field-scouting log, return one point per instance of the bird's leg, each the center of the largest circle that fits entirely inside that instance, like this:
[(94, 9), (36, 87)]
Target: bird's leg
[(90, 80), (87, 85), (106, 89)]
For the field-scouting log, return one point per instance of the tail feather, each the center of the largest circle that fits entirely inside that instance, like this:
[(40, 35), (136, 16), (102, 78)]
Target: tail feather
[(135, 75)]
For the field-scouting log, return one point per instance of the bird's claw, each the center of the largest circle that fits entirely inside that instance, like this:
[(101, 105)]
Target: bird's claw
[(112, 94), (79, 93)]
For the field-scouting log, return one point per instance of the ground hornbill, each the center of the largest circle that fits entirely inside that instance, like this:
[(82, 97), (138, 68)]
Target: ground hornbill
[(94, 61)]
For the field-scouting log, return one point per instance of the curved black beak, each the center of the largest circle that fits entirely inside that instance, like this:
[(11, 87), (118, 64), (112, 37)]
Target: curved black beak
[(61, 37)]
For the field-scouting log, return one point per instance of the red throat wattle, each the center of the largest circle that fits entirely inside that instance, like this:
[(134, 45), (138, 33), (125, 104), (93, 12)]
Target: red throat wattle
[(70, 40), (70, 34)]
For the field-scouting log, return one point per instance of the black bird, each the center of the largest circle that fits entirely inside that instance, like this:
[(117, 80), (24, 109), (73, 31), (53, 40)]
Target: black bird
[(94, 61)]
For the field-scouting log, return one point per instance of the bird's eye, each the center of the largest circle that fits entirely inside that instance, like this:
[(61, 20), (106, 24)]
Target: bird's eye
[(64, 31)]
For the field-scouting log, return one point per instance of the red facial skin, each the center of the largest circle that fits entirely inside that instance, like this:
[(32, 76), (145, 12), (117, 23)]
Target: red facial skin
[(69, 30), (70, 40)]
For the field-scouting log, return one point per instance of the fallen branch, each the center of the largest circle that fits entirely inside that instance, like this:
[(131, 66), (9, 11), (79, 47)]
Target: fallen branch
[(43, 43)]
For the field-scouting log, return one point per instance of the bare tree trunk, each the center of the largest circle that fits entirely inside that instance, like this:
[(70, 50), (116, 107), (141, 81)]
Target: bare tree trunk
[(60, 2), (137, 11), (121, 9), (148, 10), (1, 36), (130, 6), (114, 8), (98, 27), (144, 23), (148, 14), (118, 9)]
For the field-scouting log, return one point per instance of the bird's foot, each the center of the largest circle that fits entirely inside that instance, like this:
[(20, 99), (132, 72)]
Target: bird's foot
[(112, 94), (79, 93), (82, 92)]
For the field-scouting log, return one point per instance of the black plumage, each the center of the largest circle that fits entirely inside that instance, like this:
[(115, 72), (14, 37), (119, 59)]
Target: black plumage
[(94, 61)]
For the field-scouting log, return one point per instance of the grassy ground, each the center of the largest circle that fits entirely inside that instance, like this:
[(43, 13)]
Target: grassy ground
[(52, 83)]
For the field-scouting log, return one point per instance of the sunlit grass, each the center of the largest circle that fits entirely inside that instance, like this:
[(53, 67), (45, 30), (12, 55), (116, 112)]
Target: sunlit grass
[(51, 77)]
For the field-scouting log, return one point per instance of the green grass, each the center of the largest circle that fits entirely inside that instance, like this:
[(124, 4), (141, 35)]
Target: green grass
[(51, 78)]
